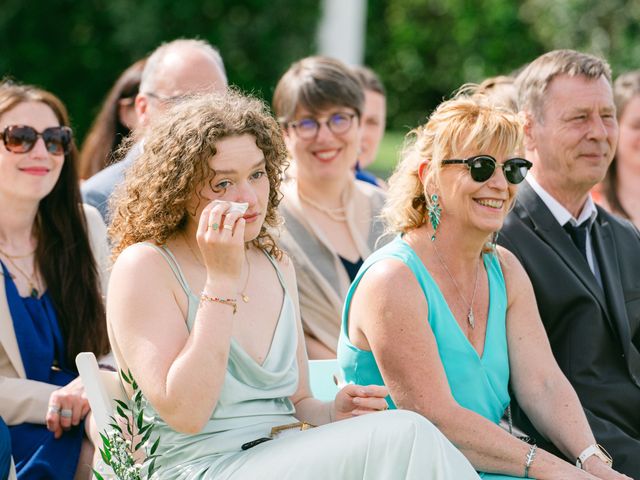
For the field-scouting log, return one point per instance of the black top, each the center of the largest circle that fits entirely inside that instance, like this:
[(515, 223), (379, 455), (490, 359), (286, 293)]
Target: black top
[(351, 267)]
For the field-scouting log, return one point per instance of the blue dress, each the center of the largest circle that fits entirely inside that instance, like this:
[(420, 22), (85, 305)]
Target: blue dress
[(478, 383), (5, 450), (37, 454)]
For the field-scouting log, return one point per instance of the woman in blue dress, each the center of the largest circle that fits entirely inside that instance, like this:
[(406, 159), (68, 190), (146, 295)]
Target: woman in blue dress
[(50, 295), (445, 319)]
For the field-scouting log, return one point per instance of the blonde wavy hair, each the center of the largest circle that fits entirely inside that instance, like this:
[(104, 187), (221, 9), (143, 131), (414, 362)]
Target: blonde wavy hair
[(467, 122), (153, 202)]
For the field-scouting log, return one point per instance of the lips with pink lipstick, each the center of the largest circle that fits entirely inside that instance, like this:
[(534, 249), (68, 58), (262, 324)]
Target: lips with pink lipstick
[(37, 171)]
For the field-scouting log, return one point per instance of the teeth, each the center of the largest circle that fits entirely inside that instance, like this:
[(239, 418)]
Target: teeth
[(326, 155), (491, 203)]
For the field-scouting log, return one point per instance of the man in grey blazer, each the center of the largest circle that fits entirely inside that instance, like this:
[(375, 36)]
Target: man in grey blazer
[(173, 70), (584, 263)]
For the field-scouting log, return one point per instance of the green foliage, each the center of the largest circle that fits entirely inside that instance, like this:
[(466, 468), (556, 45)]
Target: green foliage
[(77, 49), (120, 451), (422, 49)]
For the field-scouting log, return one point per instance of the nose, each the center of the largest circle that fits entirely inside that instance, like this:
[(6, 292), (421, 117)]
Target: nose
[(39, 149), (246, 193), (498, 179), (597, 128), (324, 133)]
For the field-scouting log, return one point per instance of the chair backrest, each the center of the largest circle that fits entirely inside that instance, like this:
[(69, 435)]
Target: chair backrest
[(101, 387), (323, 375)]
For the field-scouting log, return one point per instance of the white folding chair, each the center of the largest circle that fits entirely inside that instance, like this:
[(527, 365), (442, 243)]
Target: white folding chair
[(101, 387), (324, 377), (12, 472)]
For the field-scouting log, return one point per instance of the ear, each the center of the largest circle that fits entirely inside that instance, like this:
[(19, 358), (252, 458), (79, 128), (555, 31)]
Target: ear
[(423, 169), (142, 106), (529, 122)]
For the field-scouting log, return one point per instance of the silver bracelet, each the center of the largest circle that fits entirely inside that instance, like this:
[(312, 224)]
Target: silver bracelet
[(529, 459)]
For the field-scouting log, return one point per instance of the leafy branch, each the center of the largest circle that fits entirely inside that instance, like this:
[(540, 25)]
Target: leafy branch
[(127, 435)]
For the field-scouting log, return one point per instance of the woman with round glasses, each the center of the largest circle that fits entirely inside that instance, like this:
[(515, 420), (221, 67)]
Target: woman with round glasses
[(444, 318), (330, 225), (50, 288)]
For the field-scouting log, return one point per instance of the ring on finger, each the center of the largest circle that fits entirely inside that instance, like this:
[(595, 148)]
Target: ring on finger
[(214, 226), (66, 413), (228, 227), (55, 409)]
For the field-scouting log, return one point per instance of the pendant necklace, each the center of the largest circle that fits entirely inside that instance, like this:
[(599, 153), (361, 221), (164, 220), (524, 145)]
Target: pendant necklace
[(243, 294), (470, 318), (32, 279), (338, 214)]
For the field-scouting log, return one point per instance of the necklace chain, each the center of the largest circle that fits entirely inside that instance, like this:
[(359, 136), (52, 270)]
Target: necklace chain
[(32, 279), (338, 214), (470, 317), (243, 294), (17, 256)]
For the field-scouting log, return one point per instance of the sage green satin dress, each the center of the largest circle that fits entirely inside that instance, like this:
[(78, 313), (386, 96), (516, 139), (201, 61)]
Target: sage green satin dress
[(255, 398)]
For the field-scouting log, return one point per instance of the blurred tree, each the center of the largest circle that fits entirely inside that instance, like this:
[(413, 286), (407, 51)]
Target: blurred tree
[(425, 49), (77, 49)]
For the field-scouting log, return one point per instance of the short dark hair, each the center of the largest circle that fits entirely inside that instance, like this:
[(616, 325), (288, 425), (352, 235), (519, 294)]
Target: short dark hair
[(317, 83), (369, 79)]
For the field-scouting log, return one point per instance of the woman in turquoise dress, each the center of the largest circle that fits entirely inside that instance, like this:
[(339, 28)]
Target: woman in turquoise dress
[(444, 318), (203, 310)]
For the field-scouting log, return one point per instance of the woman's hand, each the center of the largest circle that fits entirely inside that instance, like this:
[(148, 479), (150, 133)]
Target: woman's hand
[(599, 469), (67, 407), (220, 237), (354, 400)]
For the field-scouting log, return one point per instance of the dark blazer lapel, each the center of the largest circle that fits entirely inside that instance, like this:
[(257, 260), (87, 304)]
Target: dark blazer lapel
[(607, 255), (550, 231)]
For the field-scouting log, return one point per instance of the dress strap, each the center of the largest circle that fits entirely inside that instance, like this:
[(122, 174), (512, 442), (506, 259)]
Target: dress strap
[(173, 263)]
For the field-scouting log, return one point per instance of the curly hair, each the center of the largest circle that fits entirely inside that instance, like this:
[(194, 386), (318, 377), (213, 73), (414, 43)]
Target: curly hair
[(469, 121), (153, 202)]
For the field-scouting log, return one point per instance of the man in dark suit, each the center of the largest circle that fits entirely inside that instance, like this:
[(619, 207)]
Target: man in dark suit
[(584, 263)]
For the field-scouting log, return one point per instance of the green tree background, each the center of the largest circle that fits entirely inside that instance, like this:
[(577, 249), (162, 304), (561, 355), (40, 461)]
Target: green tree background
[(422, 49)]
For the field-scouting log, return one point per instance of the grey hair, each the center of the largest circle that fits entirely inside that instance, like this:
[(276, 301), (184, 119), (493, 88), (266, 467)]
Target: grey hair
[(534, 80)]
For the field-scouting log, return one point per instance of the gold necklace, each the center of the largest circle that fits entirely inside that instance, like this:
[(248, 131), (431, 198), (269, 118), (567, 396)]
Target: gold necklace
[(32, 279), (243, 295), (470, 317), (338, 214), (17, 256)]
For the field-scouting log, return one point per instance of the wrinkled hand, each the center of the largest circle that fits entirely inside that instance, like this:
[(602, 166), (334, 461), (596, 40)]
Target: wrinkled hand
[(354, 400), (220, 237), (70, 398), (601, 470)]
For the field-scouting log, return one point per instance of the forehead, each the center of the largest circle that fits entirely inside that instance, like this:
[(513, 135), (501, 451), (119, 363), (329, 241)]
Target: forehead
[(34, 114), (567, 93), (188, 72), (374, 103), (235, 154), (325, 111)]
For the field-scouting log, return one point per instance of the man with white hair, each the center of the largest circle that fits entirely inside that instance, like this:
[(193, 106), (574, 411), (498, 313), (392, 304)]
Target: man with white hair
[(174, 70)]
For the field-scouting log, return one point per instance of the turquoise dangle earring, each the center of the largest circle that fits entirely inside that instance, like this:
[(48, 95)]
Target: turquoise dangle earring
[(434, 210)]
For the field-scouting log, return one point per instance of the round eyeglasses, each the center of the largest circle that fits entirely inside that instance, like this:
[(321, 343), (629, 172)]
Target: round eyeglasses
[(481, 168), (338, 124)]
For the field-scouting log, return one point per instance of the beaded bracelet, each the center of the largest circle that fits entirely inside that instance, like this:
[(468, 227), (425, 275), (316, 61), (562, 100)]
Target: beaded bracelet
[(232, 302), (529, 459)]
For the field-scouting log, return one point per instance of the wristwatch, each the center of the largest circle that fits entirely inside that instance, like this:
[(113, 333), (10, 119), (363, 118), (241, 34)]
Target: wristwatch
[(598, 451)]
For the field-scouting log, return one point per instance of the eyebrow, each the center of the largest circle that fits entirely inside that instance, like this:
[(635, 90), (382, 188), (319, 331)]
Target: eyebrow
[(259, 163)]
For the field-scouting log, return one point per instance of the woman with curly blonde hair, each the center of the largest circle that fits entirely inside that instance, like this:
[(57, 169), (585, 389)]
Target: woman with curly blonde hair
[(220, 370), (461, 320)]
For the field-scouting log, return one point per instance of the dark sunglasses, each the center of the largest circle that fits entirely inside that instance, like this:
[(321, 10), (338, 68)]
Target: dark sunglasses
[(482, 167), (22, 139)]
